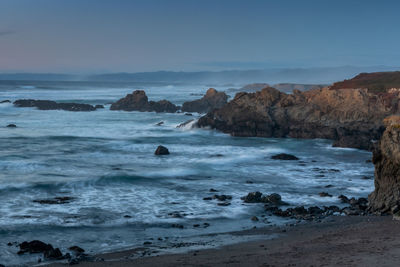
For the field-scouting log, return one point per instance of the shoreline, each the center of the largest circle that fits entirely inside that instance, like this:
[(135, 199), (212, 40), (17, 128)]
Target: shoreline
[(337, 240)]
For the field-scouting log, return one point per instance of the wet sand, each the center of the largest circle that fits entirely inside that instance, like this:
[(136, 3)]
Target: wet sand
[(337, 241)]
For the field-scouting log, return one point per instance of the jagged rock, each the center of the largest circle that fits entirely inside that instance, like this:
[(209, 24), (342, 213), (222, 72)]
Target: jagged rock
[(350, 117), (138, 101), (284, 156), (386, 158), (52, 105), (161, 150), (211, 100)]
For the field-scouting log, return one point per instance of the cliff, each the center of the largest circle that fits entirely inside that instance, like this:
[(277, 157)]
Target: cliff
[(386, 157), (353, 118)]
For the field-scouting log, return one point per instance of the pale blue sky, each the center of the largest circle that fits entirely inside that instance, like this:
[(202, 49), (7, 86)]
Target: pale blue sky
[(87, 36)]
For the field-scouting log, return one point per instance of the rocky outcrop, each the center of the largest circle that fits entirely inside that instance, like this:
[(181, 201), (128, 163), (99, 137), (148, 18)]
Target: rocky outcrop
[(386, 158), (353, 118), (138, 101), (211, 100), (52, 105)]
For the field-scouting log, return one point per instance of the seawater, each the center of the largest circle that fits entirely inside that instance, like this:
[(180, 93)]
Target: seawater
[(122, 193)]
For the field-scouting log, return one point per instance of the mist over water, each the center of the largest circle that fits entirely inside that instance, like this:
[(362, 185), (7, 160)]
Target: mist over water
[(123, 194)]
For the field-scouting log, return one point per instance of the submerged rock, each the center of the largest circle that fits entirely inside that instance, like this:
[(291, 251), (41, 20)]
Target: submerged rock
[(284, 156), (138, 101), (211, 100), (52, 105), (56, 200), (161, 150), (98, 106), (11, 126), (5, 101)]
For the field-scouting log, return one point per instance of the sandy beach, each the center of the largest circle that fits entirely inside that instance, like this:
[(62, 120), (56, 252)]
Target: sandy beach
[(338, 241)]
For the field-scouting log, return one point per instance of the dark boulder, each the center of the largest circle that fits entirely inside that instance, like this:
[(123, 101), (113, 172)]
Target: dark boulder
[(5, 101), (161, 150), (253, 197), (52, 105), (211, 100), (35, 246), (138, 101), (11, 126), (284, 156)]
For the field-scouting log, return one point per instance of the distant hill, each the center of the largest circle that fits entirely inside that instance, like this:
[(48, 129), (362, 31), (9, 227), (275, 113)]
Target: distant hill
[(305, 76), (375, 82)]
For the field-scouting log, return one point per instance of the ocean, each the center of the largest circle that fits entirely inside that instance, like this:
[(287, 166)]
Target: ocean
[(123, 195)]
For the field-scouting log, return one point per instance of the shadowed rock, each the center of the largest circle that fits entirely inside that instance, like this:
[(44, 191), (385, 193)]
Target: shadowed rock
[(11, 126), (211, 100)]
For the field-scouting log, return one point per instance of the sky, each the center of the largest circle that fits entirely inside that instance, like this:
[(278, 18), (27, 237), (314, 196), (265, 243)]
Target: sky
[(97, 36)]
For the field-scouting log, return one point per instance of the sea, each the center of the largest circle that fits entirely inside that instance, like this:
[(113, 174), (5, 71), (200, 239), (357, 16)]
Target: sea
[(122, 195)]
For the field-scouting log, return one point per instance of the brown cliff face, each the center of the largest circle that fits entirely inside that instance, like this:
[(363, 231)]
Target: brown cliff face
[(138, 101), (350, 117), (386, 157), (211, 100)]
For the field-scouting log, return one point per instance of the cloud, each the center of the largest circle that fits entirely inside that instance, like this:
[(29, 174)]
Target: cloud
[(3, 33)]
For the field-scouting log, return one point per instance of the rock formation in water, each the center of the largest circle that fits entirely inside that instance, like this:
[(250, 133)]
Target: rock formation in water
[(52, 105), (210, 101), (138, 101), (353, 118), (386, 157)]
